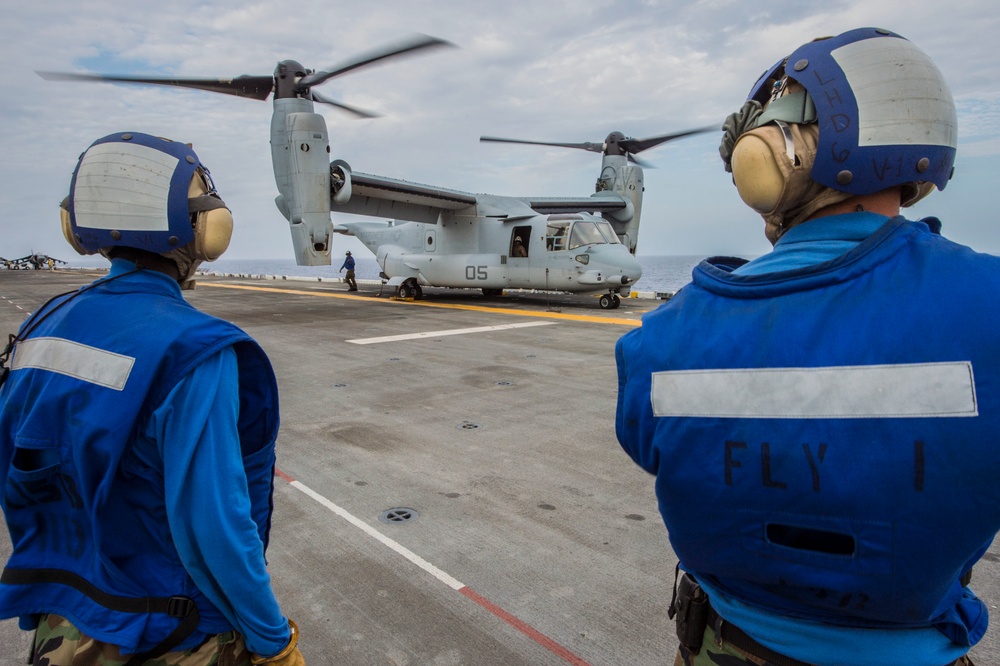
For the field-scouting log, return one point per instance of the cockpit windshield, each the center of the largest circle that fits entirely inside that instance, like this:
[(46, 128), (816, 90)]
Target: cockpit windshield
[(563, 234), (609, 233), (584, 233)]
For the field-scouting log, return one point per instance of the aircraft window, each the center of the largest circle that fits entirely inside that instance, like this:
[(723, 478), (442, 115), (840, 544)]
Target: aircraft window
[(555, 236), (585, 233), (609, 233)]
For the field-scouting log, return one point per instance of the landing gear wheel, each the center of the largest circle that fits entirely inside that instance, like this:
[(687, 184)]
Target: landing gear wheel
[(606, 302), (404, 291), (418, 293), (616, 301)]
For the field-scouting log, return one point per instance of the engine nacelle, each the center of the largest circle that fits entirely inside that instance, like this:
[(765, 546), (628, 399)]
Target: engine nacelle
[(300, 152), (340, 181), (626, 180)]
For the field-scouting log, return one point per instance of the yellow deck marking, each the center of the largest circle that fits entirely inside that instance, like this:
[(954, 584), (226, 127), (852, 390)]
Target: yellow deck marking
[(444, 306)]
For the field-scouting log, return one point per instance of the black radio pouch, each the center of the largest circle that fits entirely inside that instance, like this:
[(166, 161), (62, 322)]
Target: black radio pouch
[(689, 610)]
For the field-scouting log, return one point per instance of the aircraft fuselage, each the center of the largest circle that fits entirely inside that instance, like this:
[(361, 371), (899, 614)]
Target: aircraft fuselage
[(564, 252)]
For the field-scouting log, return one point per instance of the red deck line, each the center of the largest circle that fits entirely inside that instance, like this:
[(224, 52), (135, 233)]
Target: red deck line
[(524, 627), (482, 601)]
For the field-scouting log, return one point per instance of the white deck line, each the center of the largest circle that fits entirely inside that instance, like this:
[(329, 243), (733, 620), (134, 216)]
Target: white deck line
[(375, 534), (438, 334)]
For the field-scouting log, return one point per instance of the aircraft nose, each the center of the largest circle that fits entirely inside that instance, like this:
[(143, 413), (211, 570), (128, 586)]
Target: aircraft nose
[(631, 269)]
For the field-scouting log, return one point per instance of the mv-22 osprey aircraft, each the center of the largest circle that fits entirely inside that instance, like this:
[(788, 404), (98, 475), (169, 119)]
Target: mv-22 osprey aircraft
[(436, 236)]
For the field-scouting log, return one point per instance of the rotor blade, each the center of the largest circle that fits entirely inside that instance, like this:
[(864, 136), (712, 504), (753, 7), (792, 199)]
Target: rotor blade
[(639, 145), (643, 163), (410, 45), (254, 87), (592, 147), (360, 113)]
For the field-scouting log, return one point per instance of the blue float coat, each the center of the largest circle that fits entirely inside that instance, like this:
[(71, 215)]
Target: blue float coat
[(201, 531), (770, 314), (821, 240), (207, 503)]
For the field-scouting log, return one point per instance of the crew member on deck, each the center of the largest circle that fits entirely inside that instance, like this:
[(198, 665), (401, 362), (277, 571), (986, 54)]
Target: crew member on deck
[(352, 285), (822, 420), (137, 438)]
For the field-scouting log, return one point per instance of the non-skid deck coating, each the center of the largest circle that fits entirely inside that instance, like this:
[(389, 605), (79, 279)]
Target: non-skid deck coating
[(534, 538)]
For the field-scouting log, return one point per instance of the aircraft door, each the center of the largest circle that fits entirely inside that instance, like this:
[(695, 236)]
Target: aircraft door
[(430, 240), (518, 261)]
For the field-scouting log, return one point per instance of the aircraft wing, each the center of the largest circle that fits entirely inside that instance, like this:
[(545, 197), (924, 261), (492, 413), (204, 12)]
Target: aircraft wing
[(381, 196), (381, 187), (595, 204)]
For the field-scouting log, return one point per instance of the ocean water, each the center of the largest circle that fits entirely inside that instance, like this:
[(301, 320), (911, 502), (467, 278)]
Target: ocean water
[(662, 274)]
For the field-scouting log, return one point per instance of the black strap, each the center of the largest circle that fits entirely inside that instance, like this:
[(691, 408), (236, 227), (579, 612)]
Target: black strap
[(178, 607), (672, 610), (732, 634), (966, 578), (41, 315)]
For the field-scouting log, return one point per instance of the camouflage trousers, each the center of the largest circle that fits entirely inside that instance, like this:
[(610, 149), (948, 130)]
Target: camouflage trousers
[(59, 643), (712, 654)]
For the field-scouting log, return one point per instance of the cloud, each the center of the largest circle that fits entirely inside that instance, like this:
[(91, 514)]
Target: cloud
[(556, 71)]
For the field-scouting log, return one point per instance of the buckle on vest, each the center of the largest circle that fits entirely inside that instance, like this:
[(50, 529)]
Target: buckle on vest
[(179, 606)]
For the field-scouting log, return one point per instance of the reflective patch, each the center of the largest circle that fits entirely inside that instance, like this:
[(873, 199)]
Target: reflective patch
[(871, 71), (88, 364), (104, 199), (923, 390)]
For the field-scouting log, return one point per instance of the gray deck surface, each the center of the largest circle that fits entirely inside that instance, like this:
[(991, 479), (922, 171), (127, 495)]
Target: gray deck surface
[(536, 539)]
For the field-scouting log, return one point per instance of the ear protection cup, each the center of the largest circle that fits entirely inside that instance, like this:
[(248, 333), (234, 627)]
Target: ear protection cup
[(758, 179), (771, 169), (67, 228), (212, 221), (213, 230)]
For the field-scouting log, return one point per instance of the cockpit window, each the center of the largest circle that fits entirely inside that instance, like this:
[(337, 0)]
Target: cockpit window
[(555, 235), (609, 233), (585, 233)]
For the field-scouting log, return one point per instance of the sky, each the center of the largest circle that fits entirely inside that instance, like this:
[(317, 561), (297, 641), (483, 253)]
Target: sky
[(558, 70)]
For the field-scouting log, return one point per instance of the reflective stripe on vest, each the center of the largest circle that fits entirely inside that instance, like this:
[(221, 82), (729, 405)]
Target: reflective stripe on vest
[(66, 357), (923, 390)]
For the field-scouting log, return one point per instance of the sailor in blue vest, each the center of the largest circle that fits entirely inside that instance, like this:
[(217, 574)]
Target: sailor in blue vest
[(352, 285), (822, 420), (137, 437)]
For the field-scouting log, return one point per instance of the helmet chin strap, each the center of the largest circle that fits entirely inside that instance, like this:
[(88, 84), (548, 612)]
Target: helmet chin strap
[(144, 259), (179, 264), (187, 261)]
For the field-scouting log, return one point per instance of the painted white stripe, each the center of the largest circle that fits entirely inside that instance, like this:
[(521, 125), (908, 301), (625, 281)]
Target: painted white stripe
[(872, 70), (101, 189), (66, 357), (375, 534), (454, 331), (924, 390)]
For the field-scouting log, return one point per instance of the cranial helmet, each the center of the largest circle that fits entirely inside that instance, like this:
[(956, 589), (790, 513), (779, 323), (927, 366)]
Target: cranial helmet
[(133, 190), (848, 115)]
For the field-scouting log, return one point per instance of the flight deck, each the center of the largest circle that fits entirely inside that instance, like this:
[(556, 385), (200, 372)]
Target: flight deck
[(449, 488)]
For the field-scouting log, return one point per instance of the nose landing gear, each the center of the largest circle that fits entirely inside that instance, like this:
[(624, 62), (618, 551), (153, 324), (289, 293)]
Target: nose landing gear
[(409, 289), (610, 301)]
